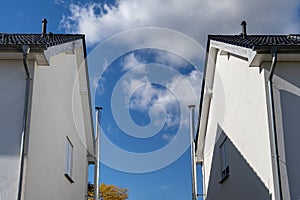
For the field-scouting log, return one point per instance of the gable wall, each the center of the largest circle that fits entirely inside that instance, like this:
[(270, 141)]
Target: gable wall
[(238, 110), (56, 115)]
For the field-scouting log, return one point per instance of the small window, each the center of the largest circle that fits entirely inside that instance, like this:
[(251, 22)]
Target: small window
[(69, 160), (224, 160)]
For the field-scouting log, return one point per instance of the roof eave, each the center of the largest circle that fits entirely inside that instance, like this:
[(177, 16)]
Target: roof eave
[(281, 49), (246, 53), (36, 53), (206, 94), (18, 47)]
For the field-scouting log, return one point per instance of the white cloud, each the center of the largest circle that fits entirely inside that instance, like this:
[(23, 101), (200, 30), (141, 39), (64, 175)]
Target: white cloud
[(59, 2), (99, 84), (143, 98), (142, 95), (182, 86), (168, 137), (133, 62), (170, 59), (142, 90), (195, 18)]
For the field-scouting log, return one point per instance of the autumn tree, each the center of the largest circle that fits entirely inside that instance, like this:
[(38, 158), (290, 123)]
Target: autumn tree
[(108, 192), (90, 192)]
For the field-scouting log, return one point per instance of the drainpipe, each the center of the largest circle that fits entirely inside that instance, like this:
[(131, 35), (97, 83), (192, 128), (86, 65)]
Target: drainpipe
[(193, 162), (25, 50), (274, 141), (97, 154)]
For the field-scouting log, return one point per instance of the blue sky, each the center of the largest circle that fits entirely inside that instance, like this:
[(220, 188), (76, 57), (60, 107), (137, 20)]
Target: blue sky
[(149, 74), (129, 80)]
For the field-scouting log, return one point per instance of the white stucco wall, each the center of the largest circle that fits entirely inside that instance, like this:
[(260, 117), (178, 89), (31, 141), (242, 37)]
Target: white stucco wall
[(238, 107), (12, 84), (56, 115)]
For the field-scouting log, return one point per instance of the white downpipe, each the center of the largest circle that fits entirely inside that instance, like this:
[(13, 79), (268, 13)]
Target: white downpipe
[(193, 160)]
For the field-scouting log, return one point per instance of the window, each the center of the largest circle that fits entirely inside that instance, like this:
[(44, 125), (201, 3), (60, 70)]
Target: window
[(69, 160), (224, 160)]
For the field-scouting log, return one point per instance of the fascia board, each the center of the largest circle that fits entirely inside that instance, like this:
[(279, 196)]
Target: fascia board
[(244, 52)]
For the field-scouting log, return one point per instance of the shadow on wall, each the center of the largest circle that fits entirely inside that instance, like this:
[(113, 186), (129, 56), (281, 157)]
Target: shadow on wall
[(290, 108), (231, 177), (12, 84)]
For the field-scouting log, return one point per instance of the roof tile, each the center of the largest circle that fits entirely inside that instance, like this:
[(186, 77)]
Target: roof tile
[(7, 39), (256, 41)]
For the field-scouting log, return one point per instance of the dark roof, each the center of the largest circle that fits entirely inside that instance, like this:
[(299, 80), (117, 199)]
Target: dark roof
[(260, 41), (13, 40)]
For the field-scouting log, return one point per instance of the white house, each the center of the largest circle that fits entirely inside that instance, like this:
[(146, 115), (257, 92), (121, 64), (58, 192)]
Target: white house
[(46, 127), (248, 134)]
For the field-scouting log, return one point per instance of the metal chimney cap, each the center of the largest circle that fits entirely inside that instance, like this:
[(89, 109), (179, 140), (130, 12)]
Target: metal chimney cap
[(44, 20), (98, 108), (244, 29), (44, 27)]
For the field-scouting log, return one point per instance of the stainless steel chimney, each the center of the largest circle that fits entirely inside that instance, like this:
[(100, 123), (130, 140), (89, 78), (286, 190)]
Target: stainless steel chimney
[(44, 27), (244, 29)]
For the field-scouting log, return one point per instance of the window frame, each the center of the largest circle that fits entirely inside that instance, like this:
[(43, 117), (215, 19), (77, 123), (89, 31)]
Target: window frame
[(224, 160), (69, 160)]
